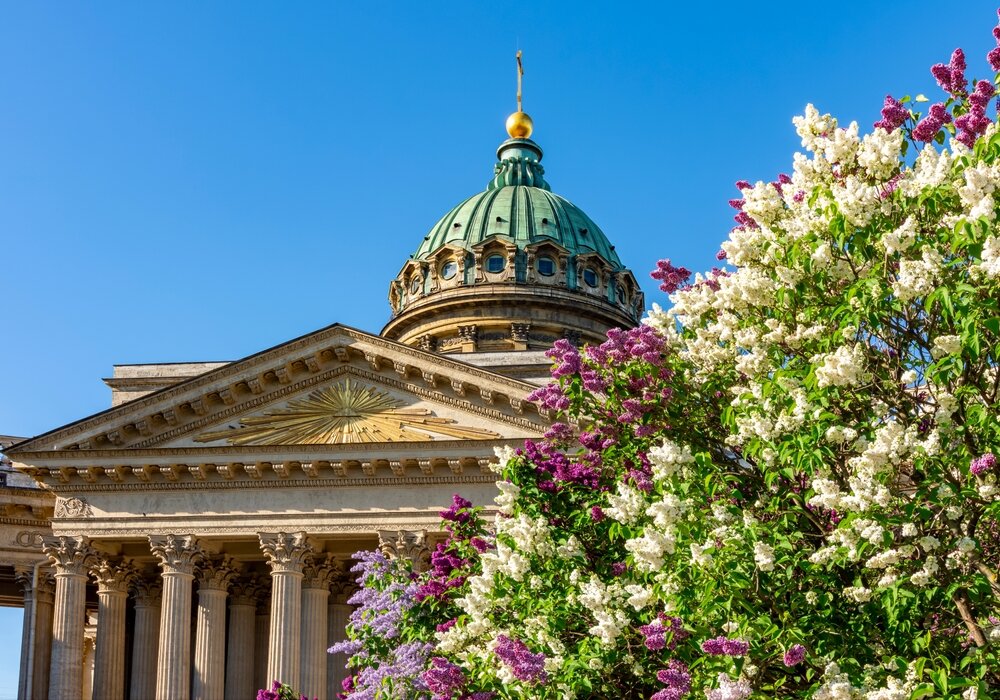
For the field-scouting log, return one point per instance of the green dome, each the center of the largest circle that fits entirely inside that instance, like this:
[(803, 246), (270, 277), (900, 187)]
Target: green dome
[(518, 206)]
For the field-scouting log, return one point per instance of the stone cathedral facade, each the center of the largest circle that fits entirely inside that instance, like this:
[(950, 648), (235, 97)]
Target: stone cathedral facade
[(194, 540)]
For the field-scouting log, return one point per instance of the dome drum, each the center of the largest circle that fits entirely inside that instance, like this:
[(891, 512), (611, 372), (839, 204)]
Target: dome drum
[(514, 267)]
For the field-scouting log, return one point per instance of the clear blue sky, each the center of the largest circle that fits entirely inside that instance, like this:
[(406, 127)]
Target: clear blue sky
[(196, 181)]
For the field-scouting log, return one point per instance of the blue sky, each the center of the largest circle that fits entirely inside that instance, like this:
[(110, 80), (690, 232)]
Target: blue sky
[(194, 181)]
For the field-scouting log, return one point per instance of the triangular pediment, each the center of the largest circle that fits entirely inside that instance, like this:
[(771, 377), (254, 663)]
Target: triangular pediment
[(335, 386)]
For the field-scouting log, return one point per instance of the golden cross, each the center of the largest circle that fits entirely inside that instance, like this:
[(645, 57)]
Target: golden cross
[(520, 74)]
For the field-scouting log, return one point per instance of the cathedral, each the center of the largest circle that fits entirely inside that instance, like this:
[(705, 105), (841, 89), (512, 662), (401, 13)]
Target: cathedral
[(194, 540)]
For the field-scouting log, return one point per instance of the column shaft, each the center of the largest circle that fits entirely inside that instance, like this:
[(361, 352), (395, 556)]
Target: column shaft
[(283, 662), (42, 657), (240, 651), (144, 649), (210, 646), (66, 664), (174, 671), (23, 578), (314, 642), (261, 647), (339, 614), (109, 657)]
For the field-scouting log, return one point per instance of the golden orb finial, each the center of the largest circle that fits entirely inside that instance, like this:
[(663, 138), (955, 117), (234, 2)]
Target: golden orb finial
[(519, 125)]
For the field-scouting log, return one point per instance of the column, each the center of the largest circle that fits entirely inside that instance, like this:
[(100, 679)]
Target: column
[(210, 637), (286, 554), (240, 648), (72, 556), (146, 639), (22, 576), (318, 574), (45, 589), (89, 642), (178, 555), (261, 637), (406, 544), (113, 579), (338, 616)]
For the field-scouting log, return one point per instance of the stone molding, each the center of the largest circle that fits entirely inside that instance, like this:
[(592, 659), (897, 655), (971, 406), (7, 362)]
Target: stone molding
[(177, 554), (286, 552), (70, 555), (217, 573)]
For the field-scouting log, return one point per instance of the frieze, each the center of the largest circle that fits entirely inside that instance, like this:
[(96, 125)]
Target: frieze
[(72, 508), (340, 482), (371, 528), (29, 539), (186, 392)]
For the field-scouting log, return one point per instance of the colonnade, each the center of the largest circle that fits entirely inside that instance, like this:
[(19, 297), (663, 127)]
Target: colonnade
[(247, 628)]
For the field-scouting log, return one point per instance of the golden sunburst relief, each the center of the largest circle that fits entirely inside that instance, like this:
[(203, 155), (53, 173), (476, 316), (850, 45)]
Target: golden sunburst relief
[(344, 413)]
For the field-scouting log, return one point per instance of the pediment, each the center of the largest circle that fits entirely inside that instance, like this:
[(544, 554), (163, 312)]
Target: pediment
[(335, 386), (352, 407)]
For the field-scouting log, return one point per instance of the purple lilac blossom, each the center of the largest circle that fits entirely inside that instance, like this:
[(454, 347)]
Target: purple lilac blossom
[(795, 655), (526, 666), (894, 114), (677, 679), (671, 278), (443, 679), (928, 127), (723, 646), (983, 463)]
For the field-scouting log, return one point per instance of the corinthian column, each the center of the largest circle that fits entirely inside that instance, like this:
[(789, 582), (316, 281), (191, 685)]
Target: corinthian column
[(240, 647), (145, 639), (72, 556), (318, 574), (338, 615), (178, 555), (22, 576), (210, 639), (262, 636), (43, 604), (286, 553), (406, 544), (113, 579)]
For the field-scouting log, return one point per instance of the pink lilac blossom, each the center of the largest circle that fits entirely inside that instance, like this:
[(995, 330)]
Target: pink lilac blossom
[(526, 666), (894, 114), (723, 646), (974, 123), (951, 77), (928, 127), (795, 655), (671, 278), (656, 633), (983, 464)]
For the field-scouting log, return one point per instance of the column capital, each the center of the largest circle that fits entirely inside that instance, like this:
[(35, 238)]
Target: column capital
[(217, 573), (113, 576), (322, 570), (70, 555), (178, 554), (247, 591), (23, 577), (147, 592), (286, 551), (406, 544)]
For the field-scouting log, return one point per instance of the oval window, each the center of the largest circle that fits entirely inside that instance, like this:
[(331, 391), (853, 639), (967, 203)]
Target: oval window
[(449, 269), (590, 277), (546, 266), (495, 263), (415, 285)]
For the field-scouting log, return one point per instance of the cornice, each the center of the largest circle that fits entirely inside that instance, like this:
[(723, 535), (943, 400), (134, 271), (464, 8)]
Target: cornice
[(270, 375)]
